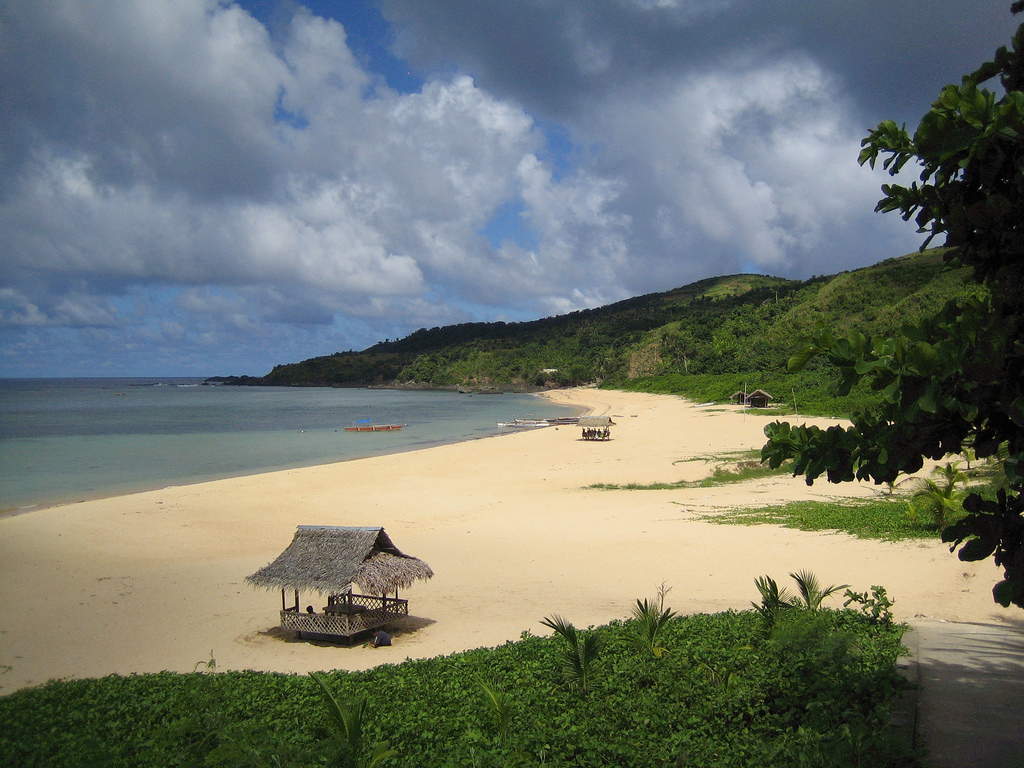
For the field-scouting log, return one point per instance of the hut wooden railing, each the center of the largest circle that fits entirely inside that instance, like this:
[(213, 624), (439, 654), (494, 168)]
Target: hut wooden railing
[(346, 616)]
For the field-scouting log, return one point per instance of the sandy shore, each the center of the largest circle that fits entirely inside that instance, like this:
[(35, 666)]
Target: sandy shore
[(155, 581)]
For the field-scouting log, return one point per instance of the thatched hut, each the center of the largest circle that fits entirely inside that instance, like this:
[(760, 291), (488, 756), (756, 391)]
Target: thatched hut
[(330, 561), (756, 399), (596, 427)]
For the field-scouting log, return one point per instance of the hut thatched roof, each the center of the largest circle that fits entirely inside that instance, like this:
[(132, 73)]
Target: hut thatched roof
[(329, 559), (756, 394), (589, 422)]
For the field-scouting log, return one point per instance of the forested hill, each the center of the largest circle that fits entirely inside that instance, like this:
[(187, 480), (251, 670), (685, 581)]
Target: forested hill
[(740, 324)]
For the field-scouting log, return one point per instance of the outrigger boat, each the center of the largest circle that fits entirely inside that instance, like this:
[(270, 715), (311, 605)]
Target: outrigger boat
[(528, 423), (564, 421), (366, 425)]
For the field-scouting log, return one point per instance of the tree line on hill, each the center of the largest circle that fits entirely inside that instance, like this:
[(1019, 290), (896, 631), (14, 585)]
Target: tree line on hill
[(735, 325)]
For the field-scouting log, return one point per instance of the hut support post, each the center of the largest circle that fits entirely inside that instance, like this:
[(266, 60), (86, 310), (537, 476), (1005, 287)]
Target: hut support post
[(284, 602)]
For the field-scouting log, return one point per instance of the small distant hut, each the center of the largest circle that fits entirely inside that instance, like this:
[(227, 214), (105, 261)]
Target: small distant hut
[(596, 427), (756, 399), (330, 561)]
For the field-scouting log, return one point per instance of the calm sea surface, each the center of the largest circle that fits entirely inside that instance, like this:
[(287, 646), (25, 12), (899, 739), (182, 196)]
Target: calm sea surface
[(63, 440)]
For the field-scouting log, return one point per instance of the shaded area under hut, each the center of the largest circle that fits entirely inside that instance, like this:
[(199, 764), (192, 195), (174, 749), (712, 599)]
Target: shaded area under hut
[(331, 561), (756, 399), (596, 427)]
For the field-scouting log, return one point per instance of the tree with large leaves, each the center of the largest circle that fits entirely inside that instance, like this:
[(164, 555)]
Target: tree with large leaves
[(955, 380)]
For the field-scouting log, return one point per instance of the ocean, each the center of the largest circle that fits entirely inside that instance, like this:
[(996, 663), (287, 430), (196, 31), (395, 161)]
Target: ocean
[(64, 440)]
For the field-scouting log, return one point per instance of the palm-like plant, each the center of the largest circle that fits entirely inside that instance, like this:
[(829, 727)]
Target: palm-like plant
[(940, 495), (719, 676), (579, 654), (969, 455), (811, 593), (773, 599), (650, 617), (346, 719), (499, 703)]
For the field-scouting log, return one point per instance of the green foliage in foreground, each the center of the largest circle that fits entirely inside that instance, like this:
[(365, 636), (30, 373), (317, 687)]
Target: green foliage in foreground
[(726, 691), (876, 518)]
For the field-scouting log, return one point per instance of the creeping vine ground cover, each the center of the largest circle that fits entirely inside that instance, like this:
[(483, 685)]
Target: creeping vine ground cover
[(726, 690), (871, 518)]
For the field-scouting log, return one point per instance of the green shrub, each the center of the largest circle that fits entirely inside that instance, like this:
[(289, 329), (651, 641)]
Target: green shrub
[(728, 694)]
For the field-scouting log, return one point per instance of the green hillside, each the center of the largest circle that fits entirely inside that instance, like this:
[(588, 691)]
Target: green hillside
[(705, 340)]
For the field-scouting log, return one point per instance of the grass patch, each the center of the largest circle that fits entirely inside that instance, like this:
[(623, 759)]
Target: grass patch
[(726, 690), (748, 468), (880, 518), (639, 486)]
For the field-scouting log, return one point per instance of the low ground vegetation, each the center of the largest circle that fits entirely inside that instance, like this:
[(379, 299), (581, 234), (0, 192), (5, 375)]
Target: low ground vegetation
[(880, 517), (918, 507), (726, 469), (812, 687)]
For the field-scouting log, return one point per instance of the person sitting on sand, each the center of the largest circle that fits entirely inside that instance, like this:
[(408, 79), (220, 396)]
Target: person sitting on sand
[(380, 637)]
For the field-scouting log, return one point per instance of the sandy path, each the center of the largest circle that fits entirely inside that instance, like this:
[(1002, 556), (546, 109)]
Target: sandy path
[(155, 580)]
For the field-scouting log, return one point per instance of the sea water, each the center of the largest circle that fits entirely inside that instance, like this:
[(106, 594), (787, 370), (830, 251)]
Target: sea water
[(63, 440)]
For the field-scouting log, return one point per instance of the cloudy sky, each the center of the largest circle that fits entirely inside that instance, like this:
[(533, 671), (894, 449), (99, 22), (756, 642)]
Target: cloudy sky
[(194, 187)]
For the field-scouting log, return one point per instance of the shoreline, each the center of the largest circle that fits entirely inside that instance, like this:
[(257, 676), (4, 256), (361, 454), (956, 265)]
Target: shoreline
[(59, 499), (150, 488), (155, 581)]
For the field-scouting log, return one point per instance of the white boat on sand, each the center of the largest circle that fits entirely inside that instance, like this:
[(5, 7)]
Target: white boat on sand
[(524, 423)]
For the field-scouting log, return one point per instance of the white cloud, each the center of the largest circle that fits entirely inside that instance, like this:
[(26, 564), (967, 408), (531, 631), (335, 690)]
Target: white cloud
[(584, 248), (205, 301), (747, 167), (85, 311), (242, 187), (18, 310), (362, 193)]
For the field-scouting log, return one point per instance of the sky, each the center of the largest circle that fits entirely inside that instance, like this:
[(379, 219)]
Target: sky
[(199, 188)]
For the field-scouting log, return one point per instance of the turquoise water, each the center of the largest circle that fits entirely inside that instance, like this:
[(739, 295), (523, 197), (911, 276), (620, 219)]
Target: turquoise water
[(63, 440)]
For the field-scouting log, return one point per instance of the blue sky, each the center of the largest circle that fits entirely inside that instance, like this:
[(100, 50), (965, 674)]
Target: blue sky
[(195, 187)]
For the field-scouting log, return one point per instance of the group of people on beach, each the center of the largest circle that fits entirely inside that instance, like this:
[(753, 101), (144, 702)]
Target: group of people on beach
[(597, 434)]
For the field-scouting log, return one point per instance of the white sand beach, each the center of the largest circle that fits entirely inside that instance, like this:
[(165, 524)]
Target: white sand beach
[(155, 581)]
